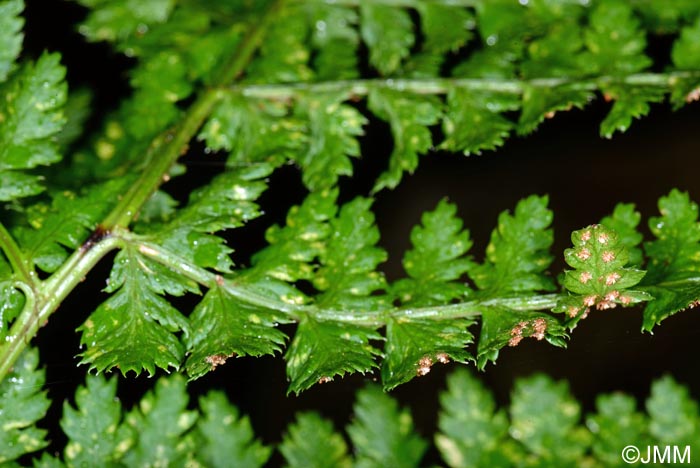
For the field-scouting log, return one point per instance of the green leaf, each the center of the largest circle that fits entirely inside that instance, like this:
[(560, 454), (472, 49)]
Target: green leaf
[(94, 428), (686, 56), (664, 16), (311, 442), (176, 30), (434, 265), (226, 202), (284, 55), (673, 256), (545, 418), (22, 404), (347, 277), (388, 33), (543, 103), (492, 63), (333, 128), (293, 247), (218, 40), (162, 77), (437, 260), (616, 425), (683, 92), (31, 115), (445, 29), (599, 279), (224, 326), (134, 329), (225, 438), (159, 84), (47, 461), (518, 254), (502, 327), (67, 223), (11, 301), (669, 298), (322, 349), (414, 345), (191, 29), (470, 124), (471, 429), (556, 53), (629, 104), (614, 40), (383, 434), (498, 22), (409, 117), (11, 36), (203, 250), (624, 221), (335, 40), (673, 414), (162, 421), (686, 49), (116, 20), (253, 130)]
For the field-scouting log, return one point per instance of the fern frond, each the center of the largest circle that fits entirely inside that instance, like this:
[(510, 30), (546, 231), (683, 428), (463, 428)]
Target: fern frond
[(224, 327), (600, 278), (224, 437), (10, 35), (161, 420), (95, 426), (22, 404), (543, 424), (32, 115), (134, 329), (300, 446), (673, 257), (383, 433)]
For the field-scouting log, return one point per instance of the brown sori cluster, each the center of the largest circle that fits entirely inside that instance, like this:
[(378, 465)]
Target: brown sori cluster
[(692, 305), (216, 360), (573, 311), (609, 300), (535, 328), (426, 362)]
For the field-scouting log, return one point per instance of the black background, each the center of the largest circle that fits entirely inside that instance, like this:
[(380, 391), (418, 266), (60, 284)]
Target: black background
[(583, 174)]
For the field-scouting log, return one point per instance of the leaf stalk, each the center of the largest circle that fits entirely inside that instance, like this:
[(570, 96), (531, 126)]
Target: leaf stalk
[(38, 308), (369, 318), (363, 87), (165, 149), (169, 146)]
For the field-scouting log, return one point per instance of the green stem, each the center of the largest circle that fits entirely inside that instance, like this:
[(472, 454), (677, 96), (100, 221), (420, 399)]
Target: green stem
[(169, 146), (362, 87), (38, 309), (358, 317), (22, 268), (162, 154)]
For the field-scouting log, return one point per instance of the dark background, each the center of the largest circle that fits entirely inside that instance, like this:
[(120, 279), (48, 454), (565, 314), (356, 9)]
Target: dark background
[(583, 174)]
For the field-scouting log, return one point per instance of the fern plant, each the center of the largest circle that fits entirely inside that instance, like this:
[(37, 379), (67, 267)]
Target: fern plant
[(543, 426), (265, 84)]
